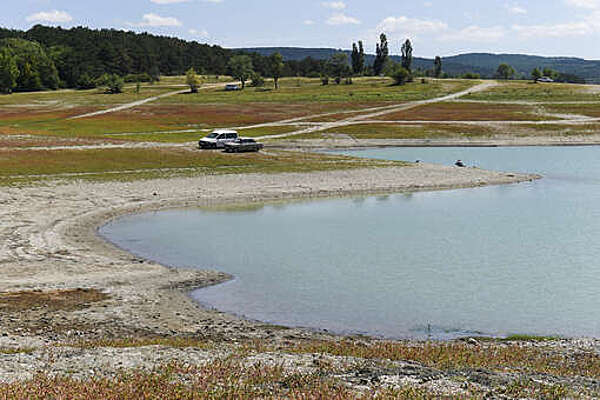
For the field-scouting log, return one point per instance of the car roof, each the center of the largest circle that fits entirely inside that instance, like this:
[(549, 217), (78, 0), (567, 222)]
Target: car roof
[(224, 131)]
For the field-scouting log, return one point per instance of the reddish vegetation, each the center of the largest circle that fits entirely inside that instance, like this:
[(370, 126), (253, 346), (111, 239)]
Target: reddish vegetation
[(464, 112), (228, 114), (14, 141), (42, 113), (72, 299)]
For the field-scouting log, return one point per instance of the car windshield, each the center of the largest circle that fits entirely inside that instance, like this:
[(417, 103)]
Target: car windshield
[(212, 135)]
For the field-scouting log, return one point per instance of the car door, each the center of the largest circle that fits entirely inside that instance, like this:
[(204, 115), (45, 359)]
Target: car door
[(221, 140), (231, 137)]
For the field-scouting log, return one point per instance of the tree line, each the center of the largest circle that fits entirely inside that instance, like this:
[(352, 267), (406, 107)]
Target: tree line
[(51, 57)]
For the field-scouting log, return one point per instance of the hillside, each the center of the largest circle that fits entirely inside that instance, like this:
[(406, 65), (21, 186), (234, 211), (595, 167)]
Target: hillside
[(482, 63)]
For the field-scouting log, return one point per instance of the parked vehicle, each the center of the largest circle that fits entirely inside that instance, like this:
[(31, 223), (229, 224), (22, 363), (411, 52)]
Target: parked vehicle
[(217, 139), (232, 87), (546, 79), (243, 145)]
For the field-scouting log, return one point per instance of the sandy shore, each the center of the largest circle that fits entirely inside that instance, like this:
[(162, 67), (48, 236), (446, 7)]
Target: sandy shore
[(346, 142), (48, 240)]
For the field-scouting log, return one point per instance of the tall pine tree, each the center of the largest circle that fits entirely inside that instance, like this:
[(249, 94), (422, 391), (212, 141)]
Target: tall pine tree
[(382, 52), (407, 57)]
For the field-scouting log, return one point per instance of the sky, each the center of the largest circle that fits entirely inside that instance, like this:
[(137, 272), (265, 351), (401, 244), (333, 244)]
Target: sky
[(436, 27)]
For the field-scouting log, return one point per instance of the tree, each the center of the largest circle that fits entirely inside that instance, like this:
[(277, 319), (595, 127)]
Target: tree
[(257, 80), (355, 57), (407, 57), (9, 72), (339, 66), (550, 73), (398, 73), (192, 80), (241, 68), (358, 58), (36, 70), (437, 67), (381, 55), (361, 57), (536, 74), (505, 71), (276, 61), (154, 73)]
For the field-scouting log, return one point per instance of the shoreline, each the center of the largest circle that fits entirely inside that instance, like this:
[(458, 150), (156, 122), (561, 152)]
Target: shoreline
[(54, 243), (345, 142)]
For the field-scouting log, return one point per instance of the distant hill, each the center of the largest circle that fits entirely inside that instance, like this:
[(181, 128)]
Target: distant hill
[(484, 64)]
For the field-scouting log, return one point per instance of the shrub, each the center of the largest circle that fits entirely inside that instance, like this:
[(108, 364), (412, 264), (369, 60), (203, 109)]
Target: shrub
[(113, 83), (399, 74), (85, 82), (257, 80), (471, 75), (192, 80)]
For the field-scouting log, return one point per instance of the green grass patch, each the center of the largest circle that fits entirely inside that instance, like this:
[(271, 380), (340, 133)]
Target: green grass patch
[(462, 111), (528, 91), (310, 90), (529, 338)]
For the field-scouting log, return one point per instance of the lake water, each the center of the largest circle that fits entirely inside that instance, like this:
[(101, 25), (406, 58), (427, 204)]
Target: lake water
[(491, 261)]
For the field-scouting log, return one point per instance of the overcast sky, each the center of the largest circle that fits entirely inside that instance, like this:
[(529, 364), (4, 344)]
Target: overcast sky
[(437, 27)]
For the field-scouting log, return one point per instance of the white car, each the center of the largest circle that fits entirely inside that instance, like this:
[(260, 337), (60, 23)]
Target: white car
[(218, 138), (546, 79)]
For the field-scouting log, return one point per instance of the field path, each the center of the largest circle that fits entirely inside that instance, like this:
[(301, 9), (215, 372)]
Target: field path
[(142, 102), (372, 113), (128, 105)]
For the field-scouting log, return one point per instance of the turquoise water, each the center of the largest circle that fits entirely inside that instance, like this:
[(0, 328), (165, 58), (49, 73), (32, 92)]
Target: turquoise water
[(499, 260)]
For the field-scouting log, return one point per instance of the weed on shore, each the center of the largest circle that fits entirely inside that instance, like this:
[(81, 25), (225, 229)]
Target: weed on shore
[(52, 300), (456, 356)]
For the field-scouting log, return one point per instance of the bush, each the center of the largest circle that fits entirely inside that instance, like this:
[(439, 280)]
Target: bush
[(113, 83), (192, 80), (257, 81), (471, 75), (348, 81), (324, 80), (85, 82), (399, 74)]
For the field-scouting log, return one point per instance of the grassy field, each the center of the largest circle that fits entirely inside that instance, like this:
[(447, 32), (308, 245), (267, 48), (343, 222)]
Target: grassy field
[(65, 99), (529, 91), (46, 113), (41, 120), (389, 131), (457, 111), (27, 166), (300, 90)]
